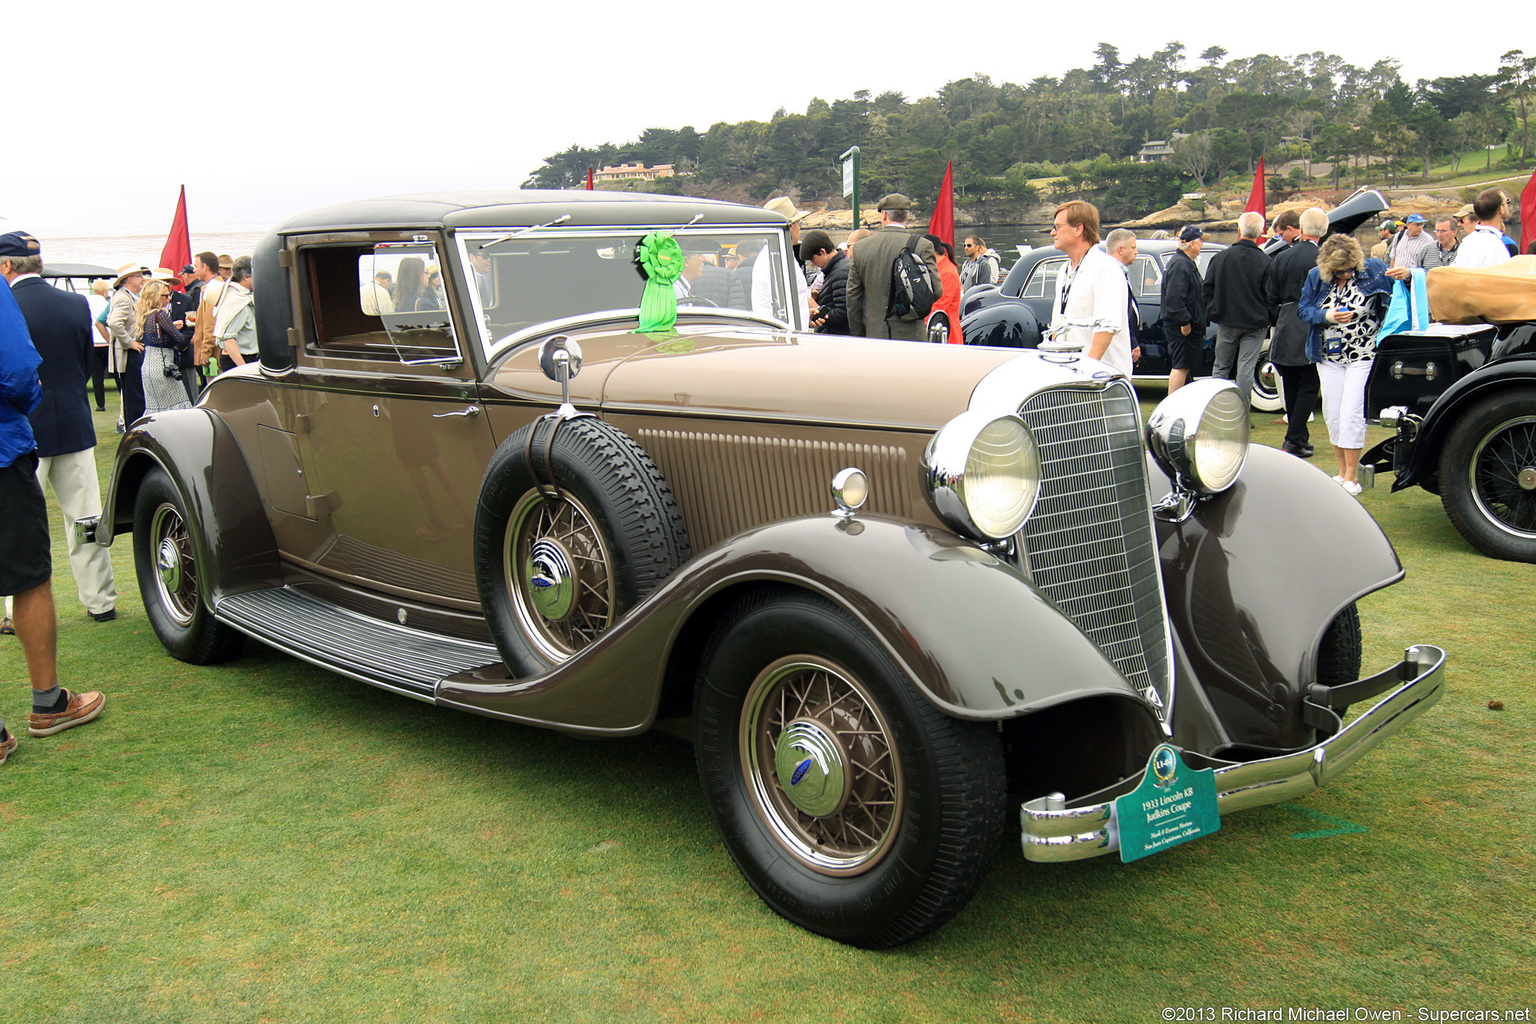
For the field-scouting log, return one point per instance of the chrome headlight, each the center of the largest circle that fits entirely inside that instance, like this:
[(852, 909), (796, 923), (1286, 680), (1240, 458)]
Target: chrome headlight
[(1199, 435), (983, 474)]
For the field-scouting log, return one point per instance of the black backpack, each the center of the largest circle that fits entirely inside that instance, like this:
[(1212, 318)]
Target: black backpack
[(912, 291)]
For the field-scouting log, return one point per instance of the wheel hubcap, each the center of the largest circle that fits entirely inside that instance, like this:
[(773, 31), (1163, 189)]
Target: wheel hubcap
[(168, 561), (551, 584), (811, 767), (823, 772)]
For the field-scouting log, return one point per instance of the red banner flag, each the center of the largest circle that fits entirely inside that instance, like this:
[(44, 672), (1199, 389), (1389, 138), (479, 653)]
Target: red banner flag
[(1256, 195), (1528, 214), (178, 244), (942, 223), (589, 180)]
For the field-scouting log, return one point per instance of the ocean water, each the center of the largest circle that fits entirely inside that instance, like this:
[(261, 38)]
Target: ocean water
[(113, 251)]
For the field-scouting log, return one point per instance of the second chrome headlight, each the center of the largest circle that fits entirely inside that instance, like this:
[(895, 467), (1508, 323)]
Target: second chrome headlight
[(1199, 435), (983, 474)]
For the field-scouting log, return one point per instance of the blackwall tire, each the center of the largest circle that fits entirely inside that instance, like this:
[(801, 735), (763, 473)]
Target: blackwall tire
[(1339, 654), (1488, 475), (166, 559), (903, 807), (558, 564)]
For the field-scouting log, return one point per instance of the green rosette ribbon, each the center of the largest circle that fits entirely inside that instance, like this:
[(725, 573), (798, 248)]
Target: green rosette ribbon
[(661, 261)]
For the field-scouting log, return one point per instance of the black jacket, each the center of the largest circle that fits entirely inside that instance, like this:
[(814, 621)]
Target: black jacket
[(833, 298), (1183, 296), (1237, 287), (1288, 271), (60, 325)]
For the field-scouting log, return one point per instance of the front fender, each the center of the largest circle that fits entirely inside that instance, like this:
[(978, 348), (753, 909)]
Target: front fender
[(971, 633), (235, 547), (1253, 580), (1424, 450)]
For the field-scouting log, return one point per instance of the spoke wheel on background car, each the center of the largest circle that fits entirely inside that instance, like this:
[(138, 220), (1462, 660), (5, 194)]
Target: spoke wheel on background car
[(1267, 395), (166, 559), (1488, 475), (852, 805), (571, 532)]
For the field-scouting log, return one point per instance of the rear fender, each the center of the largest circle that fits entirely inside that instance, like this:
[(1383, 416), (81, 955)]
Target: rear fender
[(970, 632), (197, 450)]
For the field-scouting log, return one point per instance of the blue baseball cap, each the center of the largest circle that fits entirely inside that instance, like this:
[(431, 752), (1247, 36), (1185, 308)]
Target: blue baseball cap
[(1414, 218), (19, 243), (1190, 233)]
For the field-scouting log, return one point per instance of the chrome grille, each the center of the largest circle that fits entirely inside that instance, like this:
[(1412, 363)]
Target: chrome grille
[(1090, 545)]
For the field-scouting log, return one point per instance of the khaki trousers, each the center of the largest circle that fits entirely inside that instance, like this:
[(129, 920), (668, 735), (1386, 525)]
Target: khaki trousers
[(78, 490)]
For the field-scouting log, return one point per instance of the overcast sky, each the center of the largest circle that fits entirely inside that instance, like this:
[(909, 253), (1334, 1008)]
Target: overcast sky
[(267, 109)]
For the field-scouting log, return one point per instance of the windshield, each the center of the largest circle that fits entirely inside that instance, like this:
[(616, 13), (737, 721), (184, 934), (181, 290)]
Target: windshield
[(517, 281)]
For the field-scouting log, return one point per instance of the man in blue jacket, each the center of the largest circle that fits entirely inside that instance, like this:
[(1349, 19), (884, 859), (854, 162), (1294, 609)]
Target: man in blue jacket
[(26, 562)]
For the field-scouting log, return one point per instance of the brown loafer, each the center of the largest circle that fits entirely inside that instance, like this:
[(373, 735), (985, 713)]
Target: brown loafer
[(7, 745), (79, 709)]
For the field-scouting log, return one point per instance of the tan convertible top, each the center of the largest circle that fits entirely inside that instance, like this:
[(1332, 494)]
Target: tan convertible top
[(1500, 294)]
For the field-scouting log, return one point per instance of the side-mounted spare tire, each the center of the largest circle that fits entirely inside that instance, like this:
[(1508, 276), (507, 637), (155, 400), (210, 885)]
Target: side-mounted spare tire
[(575, 526)]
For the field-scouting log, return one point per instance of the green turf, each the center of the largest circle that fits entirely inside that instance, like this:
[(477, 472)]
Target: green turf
[(266, 841)]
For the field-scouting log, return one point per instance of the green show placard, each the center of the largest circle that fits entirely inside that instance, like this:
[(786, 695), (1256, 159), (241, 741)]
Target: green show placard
[(1173, 804)]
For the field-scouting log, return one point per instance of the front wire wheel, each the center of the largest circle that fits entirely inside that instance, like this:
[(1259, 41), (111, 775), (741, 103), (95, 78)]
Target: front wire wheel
[(851, 804), (823, 770)]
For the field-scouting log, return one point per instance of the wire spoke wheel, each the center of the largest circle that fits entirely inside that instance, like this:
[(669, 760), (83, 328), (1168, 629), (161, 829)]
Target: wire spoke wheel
[(560, 571), (820, 764), (175, 563), (1503, 474)]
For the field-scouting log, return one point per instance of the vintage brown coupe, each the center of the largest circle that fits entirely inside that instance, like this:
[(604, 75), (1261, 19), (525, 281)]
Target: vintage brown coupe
[(885, 584)]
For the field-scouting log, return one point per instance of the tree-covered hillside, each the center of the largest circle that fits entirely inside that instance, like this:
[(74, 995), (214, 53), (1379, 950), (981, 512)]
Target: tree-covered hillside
[(1089, 123)]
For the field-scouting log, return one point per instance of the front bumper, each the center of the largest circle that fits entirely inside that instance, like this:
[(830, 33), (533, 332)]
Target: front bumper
[(1054, 832)]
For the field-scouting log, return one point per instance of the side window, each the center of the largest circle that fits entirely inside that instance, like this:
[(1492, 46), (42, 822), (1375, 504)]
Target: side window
[(378, 302), (1042, 280), (1206, 255), (1147, 278)]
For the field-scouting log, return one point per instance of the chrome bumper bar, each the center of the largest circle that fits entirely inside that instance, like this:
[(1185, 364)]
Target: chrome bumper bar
[(1054, 832)]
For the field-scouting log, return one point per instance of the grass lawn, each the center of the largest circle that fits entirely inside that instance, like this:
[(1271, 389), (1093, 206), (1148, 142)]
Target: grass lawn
[(267, 841)]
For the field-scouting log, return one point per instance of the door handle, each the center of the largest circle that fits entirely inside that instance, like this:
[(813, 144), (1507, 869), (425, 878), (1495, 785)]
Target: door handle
[(472, 411)]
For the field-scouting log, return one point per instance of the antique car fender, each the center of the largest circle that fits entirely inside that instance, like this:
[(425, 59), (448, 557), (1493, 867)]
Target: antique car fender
[(1423, 450), (1253, 580), (969, 631), (197, 450)]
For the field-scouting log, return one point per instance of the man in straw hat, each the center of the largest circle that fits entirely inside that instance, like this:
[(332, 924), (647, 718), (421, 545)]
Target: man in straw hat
[(762, 277), (127, 349), (869, 278), (26, 561)]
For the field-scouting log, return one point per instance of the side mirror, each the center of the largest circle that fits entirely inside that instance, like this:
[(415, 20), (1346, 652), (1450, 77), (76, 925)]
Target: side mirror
[(560, 359)]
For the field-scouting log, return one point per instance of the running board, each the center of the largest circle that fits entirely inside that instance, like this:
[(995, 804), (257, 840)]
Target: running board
[(399, 658)]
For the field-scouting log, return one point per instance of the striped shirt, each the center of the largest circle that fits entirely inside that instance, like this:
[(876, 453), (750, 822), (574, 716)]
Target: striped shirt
[(1435, 256), (1409, 250)]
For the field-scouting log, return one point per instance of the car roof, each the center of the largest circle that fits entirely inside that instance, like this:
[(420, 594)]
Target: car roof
[(1144, 246), (525, 207)]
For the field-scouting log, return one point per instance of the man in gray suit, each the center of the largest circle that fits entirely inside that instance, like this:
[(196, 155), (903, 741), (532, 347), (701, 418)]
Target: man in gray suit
[(869, 279)]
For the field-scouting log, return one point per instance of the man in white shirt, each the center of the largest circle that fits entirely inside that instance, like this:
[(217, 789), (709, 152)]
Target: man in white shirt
[(1092, 289), (1484, 247)]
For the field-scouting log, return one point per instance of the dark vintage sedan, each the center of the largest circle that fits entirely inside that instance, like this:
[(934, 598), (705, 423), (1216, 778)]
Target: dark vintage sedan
[(989, 315), (883, 585)]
